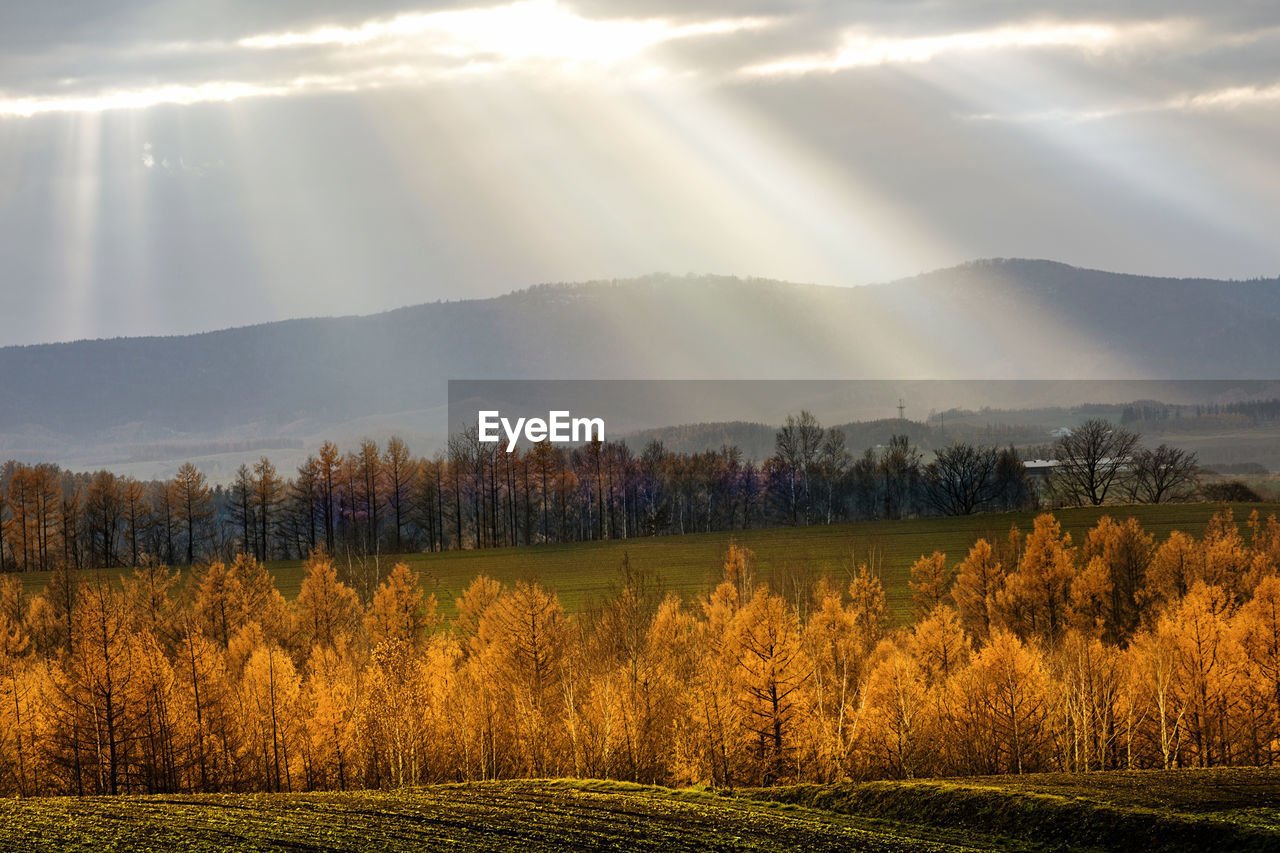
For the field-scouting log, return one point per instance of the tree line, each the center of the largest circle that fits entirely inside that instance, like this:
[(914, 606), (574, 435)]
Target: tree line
[(382, 500), (1033, 653), (1254, 411)]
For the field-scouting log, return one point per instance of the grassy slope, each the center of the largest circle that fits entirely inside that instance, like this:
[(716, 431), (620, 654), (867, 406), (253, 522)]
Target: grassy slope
[(691, 563), (1216, 809), (552, 816)]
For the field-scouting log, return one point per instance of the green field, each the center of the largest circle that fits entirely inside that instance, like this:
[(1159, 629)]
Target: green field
[(1159, 811), (692, 563)]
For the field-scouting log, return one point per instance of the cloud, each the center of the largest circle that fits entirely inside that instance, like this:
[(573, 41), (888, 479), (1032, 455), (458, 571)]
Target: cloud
[(405, 49), (522, 30), (1230, 98), (132, 99), (860, 49), (1236, 96), (292, 52)]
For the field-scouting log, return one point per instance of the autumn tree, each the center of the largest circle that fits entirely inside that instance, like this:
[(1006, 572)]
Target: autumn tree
[(1035, 599), (327, 607), (740, 570), (622, 636), (331, 699), (1011, 687), (771, 668), (148, 597), (939, 645), (1154, 662), (1089, 677), (399, 611), (979, 580), (1123, 554), (1257, 630), (206, 694), (1176, 565), (1228, 559), (93, 718), (216, 604), (230, 596), (867, 605), (524, 634), (717, 710), (272, 722), (896, 725), (930, 582), (1209, 658), (838, 650)]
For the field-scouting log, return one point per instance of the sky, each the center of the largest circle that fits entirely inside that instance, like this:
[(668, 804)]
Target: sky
[(175, 167)]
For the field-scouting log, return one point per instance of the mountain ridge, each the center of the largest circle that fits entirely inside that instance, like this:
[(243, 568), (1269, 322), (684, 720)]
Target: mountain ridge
[(664, 277)]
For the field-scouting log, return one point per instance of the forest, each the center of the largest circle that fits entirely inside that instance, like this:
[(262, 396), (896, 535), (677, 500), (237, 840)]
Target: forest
[(1029, 653), (384, 500)]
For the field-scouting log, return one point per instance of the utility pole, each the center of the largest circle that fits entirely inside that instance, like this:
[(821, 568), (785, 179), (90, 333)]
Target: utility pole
[(901, 408)]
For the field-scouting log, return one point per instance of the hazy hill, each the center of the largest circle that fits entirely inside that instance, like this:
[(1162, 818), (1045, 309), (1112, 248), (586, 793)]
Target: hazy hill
[(294, 380)]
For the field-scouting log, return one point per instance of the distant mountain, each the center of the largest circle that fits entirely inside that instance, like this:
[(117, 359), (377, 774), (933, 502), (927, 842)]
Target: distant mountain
[(298, 379)]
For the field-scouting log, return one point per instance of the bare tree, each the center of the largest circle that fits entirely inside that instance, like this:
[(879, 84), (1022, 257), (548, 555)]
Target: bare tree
[(1013, 488), (192, 504), (1092, 459), (242, 514), (900, 472), (266, 491), (833, 464), (1163, 475), (399, 471), (961, 479), (797, 446)]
